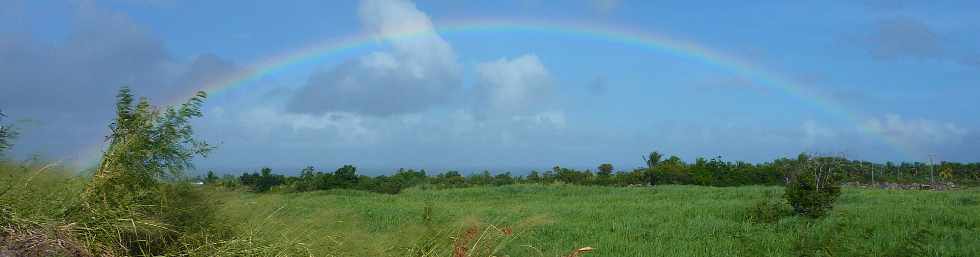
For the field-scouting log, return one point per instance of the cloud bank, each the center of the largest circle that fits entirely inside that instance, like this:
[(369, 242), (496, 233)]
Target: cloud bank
[(66, 88), (916, 132)]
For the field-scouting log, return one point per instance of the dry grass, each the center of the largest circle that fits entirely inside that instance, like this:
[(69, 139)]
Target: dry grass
[(24, 238), (580, 251)]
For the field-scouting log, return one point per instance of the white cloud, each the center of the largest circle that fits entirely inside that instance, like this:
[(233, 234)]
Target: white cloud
[(814, 133), (509, 87), (419, 71), (916, 132), (333, 126), (555, 119)]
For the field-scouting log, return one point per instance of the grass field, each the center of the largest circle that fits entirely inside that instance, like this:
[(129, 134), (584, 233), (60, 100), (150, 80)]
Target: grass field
[(662, 221)]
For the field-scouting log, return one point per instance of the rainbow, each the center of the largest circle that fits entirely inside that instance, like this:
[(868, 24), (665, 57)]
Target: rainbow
[(622, 35)]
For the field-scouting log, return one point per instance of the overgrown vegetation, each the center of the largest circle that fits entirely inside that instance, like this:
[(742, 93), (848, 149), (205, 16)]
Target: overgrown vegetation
[(7, 134), (137, 202), (671, 220), (769, 210), (814, 186)]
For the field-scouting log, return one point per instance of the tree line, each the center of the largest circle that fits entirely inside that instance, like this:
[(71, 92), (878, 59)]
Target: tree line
[(658, 171)]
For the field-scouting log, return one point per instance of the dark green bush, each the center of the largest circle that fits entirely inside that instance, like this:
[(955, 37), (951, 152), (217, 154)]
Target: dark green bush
[(966, 201), (769, 211), (6, 135), (814, 185)]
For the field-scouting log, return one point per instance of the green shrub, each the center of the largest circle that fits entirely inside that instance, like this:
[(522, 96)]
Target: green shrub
[(768, 211), (814, 185), (136, 202), (6, 135), (966, 200)]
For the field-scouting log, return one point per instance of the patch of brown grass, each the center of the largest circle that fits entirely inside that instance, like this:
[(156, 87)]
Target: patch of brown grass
[(31, 242), (580, 251)]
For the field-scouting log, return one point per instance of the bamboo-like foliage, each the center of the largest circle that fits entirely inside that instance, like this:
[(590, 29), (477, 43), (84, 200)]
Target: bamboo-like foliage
[(129, 207), (146, 145)]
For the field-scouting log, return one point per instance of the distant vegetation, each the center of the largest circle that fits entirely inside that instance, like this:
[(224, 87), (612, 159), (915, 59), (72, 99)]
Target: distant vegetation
[(704, 172)]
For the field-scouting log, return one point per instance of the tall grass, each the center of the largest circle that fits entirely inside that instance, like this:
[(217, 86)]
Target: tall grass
[(661, 221), (39, 202), (42, 213)]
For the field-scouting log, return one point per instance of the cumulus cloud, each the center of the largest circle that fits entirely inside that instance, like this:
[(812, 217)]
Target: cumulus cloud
[(920, 133), (509, 87), (417, 73)]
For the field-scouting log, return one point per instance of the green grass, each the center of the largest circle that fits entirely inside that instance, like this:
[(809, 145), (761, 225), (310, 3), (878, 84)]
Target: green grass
[(549, 220), (661, 221)]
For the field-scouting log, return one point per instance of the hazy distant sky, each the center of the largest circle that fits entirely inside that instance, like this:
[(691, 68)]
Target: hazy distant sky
[(880, 80)]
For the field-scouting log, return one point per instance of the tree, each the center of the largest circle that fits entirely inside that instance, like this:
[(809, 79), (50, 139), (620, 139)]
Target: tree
[(652, 159), (307, 180), (604, 176), (146, 144), (140, 180), (346, 176), (481, 179), (450, 179), (249, 179), (409, 178), (814, 185), (265, 180), (534, 177), (605, 170), (549, 176), (210, 178), (7, 134)]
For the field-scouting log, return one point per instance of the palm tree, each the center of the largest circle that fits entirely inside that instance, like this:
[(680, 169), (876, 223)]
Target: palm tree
[(653, 159)]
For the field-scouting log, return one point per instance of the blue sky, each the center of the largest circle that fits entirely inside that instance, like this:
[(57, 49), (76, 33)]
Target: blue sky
[(886, 80)]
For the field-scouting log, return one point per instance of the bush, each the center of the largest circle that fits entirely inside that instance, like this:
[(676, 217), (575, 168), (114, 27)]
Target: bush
[(768, 211), (966, 201), (6, 135), (814, 185), (137, 202)]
